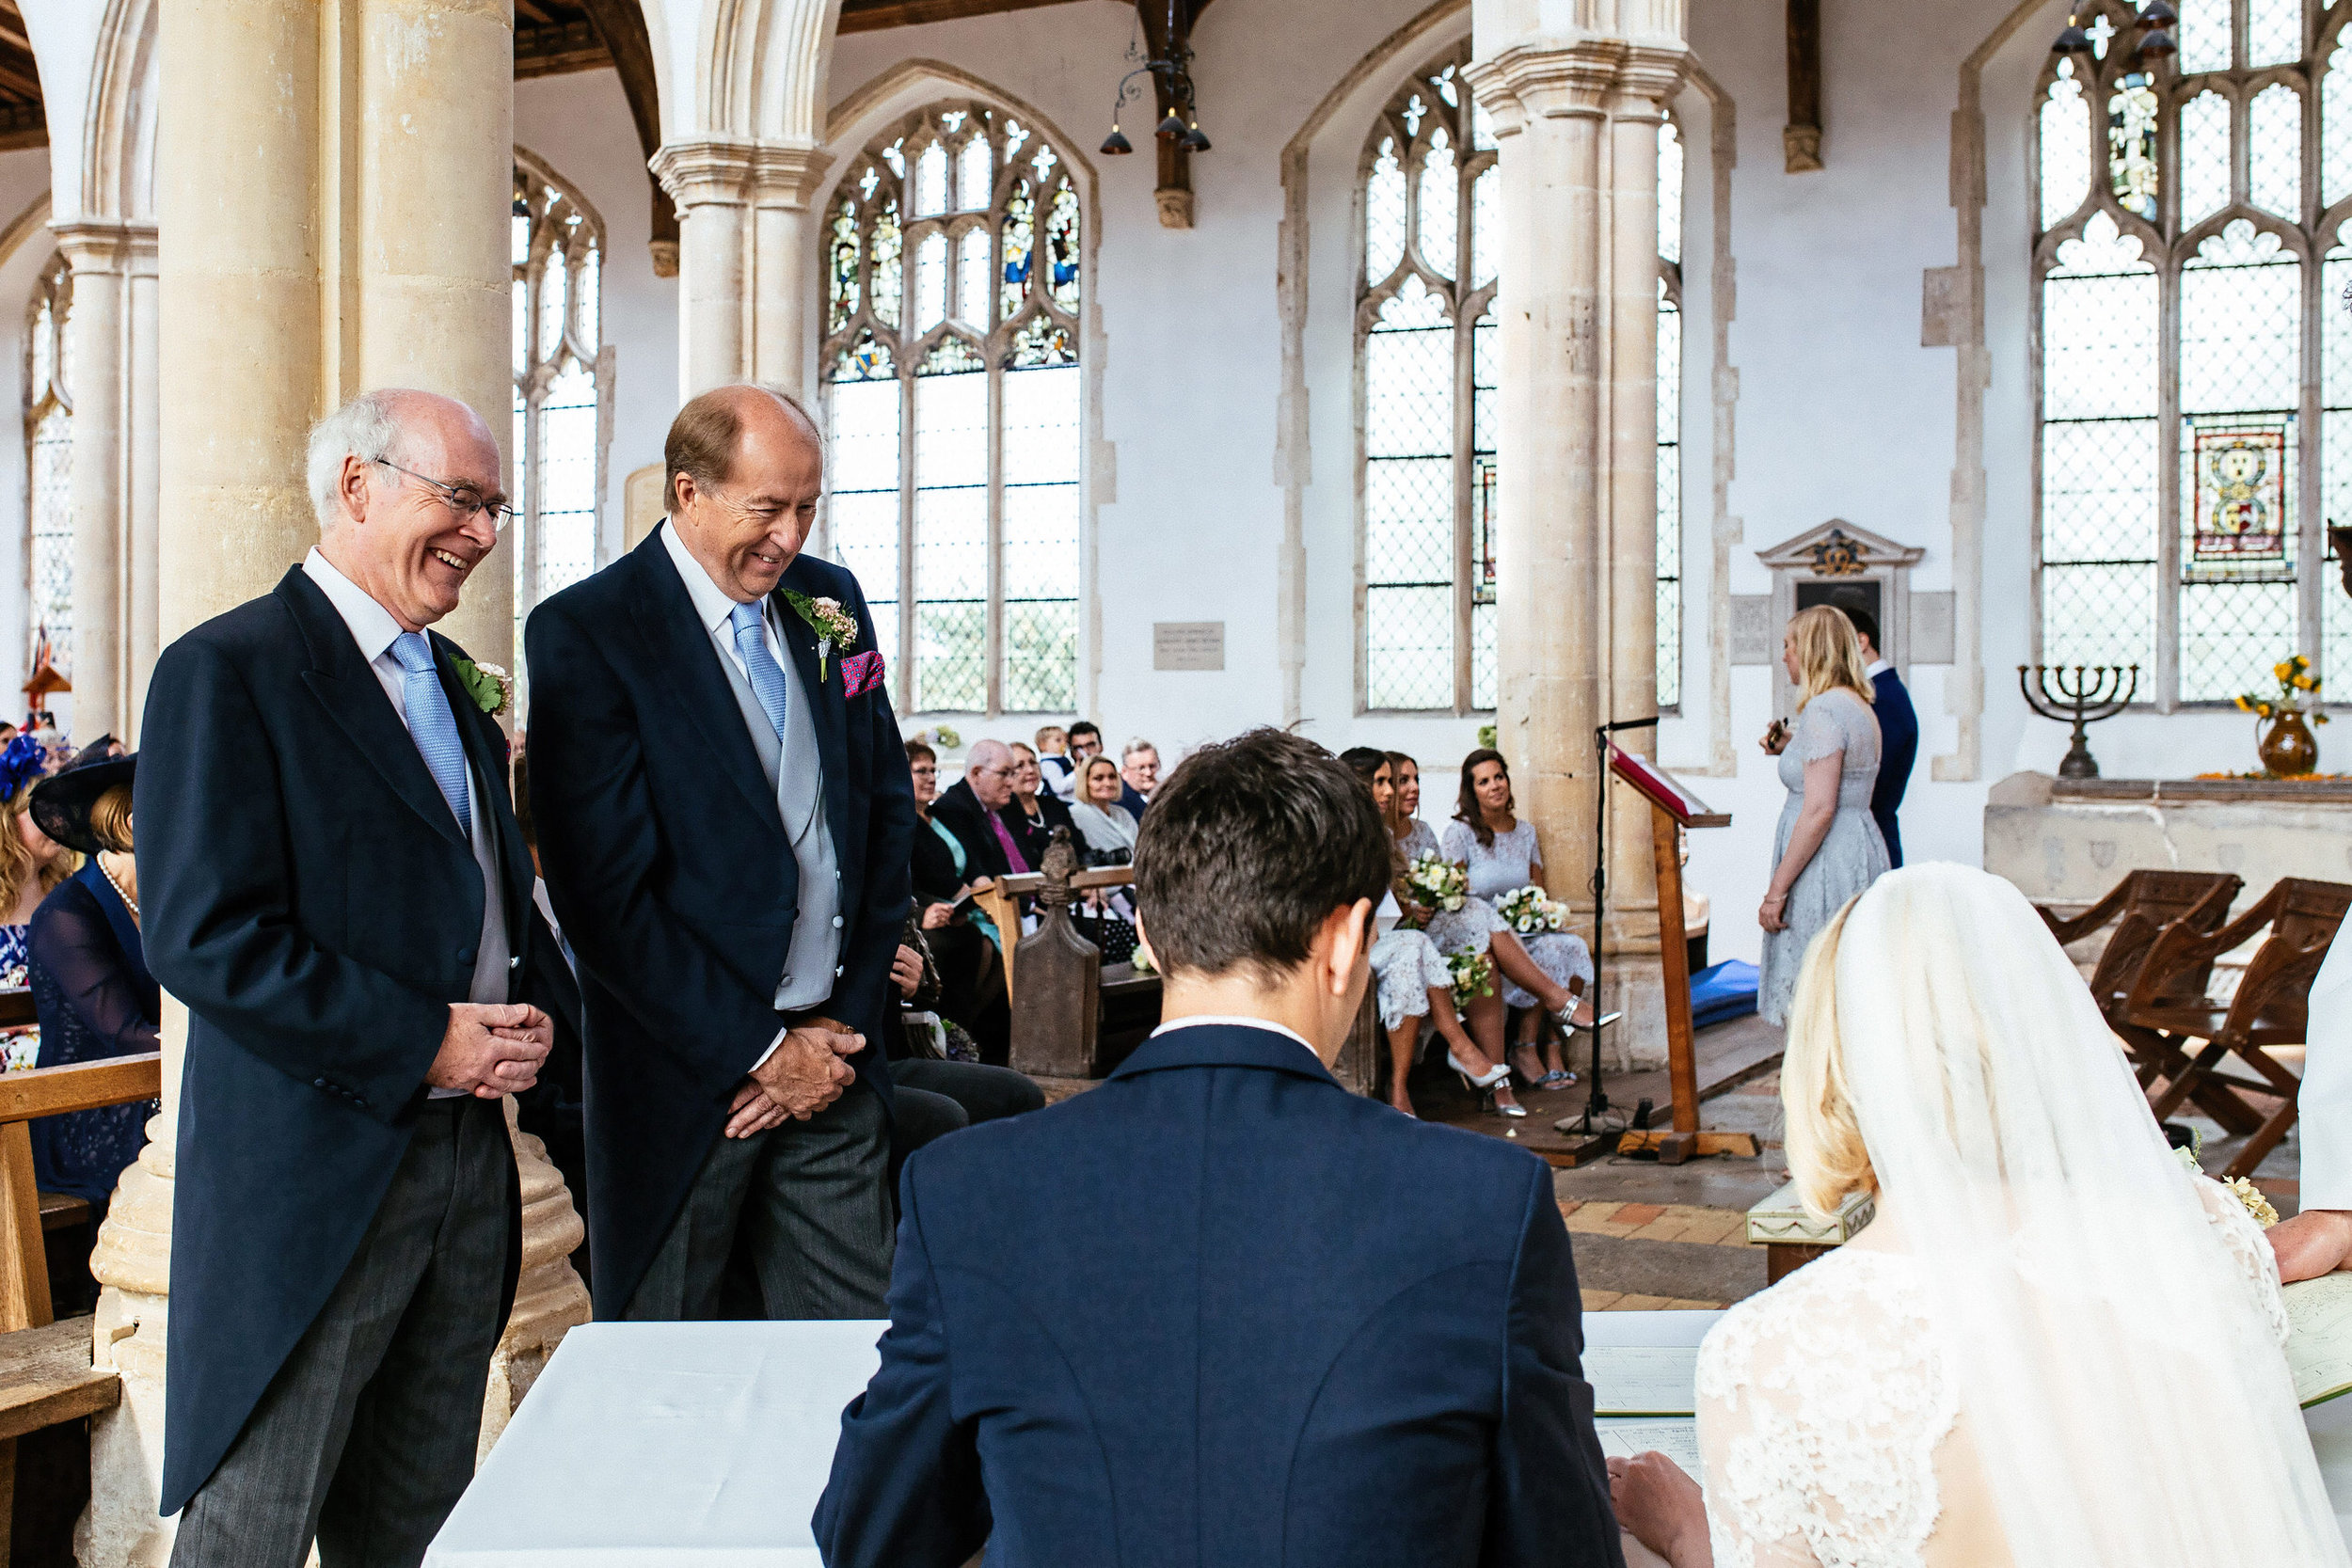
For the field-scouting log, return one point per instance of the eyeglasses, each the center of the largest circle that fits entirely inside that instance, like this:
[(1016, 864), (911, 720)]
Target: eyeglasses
[(463, 500)]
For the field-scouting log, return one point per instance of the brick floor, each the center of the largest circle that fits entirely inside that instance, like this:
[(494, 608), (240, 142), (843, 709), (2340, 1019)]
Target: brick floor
[(1657, 1222)]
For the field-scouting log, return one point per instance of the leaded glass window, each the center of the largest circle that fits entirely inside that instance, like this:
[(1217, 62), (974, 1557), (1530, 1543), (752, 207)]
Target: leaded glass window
[(563, 386), (1427, 356), (955, 405), (49, 465), (1670, 163), (2191, 246), (1427, 353)]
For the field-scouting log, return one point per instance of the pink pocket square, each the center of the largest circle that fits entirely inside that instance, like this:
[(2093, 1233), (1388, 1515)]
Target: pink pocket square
[(861, 672)]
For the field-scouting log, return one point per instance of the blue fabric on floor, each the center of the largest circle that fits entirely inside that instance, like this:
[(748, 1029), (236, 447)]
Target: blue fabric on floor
[(1721, 992)]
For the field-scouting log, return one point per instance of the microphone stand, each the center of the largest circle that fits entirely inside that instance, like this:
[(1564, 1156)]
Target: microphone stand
[(1602, 1140)]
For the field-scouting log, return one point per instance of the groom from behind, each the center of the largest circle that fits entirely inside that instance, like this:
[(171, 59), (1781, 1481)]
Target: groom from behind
[(1220, 1310)]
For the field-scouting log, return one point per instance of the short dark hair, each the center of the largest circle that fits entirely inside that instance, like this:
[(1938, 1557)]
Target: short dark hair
[(916, 749), (1865, 624), (1365, 760), (1085, 727), (1247, 849)]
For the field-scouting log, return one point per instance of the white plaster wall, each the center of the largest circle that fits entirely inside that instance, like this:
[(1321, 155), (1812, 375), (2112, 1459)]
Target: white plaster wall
[(580, 125)]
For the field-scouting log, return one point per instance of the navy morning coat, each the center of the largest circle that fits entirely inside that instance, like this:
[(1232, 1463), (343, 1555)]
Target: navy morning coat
[(1898, 748), (668, 864), (1218, 1312), (307, 893)]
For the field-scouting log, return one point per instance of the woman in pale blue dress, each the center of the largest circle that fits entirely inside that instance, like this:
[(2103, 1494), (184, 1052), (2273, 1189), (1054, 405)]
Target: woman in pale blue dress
[(1827, 848)]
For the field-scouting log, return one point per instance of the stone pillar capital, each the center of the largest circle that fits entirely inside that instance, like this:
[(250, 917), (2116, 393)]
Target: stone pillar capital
[(118, 245), (1591, 76), (732, 172)]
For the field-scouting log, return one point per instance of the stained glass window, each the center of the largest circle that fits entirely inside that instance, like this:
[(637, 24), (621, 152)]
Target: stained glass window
[(959, 432), (49, 465), (2185, 550), (563, 386)]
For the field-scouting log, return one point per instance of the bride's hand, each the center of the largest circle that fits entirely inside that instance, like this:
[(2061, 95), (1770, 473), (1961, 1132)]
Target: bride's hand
[(2315, 1242), (1661, 1508)]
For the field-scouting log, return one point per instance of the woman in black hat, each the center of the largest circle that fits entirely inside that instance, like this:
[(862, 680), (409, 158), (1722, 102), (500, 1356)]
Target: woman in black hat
[(89, 976)]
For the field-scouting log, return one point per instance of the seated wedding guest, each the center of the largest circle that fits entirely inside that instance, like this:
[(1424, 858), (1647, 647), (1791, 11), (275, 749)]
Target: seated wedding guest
[(1105, 828), (952, 1094), (973, 989), (1413, 983), (968, 810), (1826, 847), (1898, 733), (1140, 774), (32, 864), (1499, 848), (1414, 838), (1033, 813), (1217, 1309), (1059, 767), (1086, 740), (91, 983), (1998, 1370)]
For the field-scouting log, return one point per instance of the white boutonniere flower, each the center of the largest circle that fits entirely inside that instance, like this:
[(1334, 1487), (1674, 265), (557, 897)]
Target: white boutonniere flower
[(834, 626)]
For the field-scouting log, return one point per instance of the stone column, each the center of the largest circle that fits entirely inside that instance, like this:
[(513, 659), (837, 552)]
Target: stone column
[(746, 241), (339, 222), (113, 332), (1577, 118)]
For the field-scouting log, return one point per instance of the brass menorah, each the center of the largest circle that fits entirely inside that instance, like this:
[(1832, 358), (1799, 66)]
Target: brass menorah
[(2083, 693)]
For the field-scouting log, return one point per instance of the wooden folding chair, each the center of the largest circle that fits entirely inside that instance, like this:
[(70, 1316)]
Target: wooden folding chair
[(2141, 906), (2270, 1009)]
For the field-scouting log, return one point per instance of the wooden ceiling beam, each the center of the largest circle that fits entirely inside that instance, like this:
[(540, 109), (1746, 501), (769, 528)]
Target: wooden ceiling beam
[(868, 16)]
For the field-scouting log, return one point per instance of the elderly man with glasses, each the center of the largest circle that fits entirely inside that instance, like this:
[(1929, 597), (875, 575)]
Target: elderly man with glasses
[(335, 885)]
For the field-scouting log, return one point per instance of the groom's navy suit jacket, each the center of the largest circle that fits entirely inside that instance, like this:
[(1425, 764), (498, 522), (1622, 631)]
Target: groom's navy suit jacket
[(308, 894), (1220, 1312), (668, 863)]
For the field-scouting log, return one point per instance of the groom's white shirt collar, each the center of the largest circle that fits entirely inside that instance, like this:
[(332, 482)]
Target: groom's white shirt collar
[(710, 602), (1236, 1021), (1877, 667)]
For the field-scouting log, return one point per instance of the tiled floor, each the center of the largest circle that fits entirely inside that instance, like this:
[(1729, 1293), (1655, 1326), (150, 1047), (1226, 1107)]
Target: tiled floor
[(1662, 1257)]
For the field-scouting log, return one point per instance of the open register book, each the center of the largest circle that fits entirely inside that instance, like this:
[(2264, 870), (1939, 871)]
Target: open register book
[(2319, 1338)]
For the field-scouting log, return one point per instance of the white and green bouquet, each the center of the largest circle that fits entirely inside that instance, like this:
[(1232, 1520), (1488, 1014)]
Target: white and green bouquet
[(1473, 977), (1437, 883), (1531, 913)]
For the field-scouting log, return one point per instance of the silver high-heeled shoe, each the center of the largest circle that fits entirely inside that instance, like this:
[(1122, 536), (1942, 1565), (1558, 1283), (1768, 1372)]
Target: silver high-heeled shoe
[(1485, 1085)]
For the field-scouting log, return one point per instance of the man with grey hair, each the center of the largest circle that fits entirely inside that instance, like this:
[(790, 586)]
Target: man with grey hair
[(1138, 775), (968, 810), (725, 817), (336, 887)]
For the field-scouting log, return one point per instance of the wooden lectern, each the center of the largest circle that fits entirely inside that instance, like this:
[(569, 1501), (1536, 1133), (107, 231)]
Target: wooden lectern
[(1672, 809)]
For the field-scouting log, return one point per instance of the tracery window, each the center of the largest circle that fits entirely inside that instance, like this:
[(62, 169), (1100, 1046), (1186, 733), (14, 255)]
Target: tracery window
[(2191, 254), (1670, 163), (1426, 354), (49, 465), (563, 386), (953, 260)]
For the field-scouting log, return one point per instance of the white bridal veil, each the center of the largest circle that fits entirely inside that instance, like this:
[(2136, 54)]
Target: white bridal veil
[(2122, 1383)]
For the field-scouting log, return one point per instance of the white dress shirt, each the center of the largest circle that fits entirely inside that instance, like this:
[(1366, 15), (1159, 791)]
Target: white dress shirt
[(374, 629), (1877, 667), (1239, 1022)]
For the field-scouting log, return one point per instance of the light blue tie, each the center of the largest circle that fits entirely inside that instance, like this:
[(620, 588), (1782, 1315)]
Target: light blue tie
[(431, 723), (767, 675)]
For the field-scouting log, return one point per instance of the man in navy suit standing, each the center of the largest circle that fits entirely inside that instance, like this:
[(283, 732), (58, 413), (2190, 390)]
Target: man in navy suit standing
[(724, 818), (336, 887), (1220, 1310), (1898, 733)]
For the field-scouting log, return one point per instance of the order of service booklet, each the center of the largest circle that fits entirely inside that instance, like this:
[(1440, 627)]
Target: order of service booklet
[(2319, 1338)]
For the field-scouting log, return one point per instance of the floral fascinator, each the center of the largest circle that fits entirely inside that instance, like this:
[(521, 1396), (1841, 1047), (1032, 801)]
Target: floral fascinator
[(22, 760)]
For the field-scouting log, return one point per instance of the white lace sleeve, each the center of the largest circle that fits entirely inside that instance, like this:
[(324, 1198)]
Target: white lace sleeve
[(1821, 1455), (1454, 843), (2248, 1249), (1819, 733)]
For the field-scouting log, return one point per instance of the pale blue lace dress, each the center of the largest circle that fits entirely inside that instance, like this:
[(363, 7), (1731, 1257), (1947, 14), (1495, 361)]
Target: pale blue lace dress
[(1502, 868), (1851, 856)]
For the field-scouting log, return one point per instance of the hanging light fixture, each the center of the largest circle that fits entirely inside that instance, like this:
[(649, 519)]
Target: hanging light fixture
[(1172, 74), (2074, 40), (2157, 14), (2157, 44), (2154, 18)]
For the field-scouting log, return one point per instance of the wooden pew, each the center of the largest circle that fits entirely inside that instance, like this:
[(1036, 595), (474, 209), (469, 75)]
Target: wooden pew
[(2141, 906), (2268, 1012), (46, 1378), (1074, 1020)]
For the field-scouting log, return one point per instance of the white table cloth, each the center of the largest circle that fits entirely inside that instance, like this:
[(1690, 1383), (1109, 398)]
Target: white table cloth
[(706, 1445)]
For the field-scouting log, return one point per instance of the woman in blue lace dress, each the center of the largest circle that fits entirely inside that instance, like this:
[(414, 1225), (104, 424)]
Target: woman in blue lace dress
[(89, 976)]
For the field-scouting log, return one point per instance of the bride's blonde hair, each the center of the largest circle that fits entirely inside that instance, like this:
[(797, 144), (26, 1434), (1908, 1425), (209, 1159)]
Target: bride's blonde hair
[(1829, 655), (1826, 1156)]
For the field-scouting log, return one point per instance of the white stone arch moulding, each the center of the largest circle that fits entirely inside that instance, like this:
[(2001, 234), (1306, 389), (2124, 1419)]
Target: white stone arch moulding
[(119, 124), (761, 74), (864, 114), (1443, 22)]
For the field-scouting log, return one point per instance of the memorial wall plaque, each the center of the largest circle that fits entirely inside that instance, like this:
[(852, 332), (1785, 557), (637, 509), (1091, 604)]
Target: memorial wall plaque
[(1187, 644)]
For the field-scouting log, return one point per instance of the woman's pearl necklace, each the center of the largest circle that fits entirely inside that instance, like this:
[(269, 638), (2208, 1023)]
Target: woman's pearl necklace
[(128, 902)]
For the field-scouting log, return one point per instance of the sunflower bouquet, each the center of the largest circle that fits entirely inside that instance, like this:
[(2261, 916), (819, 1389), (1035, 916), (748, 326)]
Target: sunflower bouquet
[(1437, 883), (1473, 977), (1531, 913), (2297, 684)]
